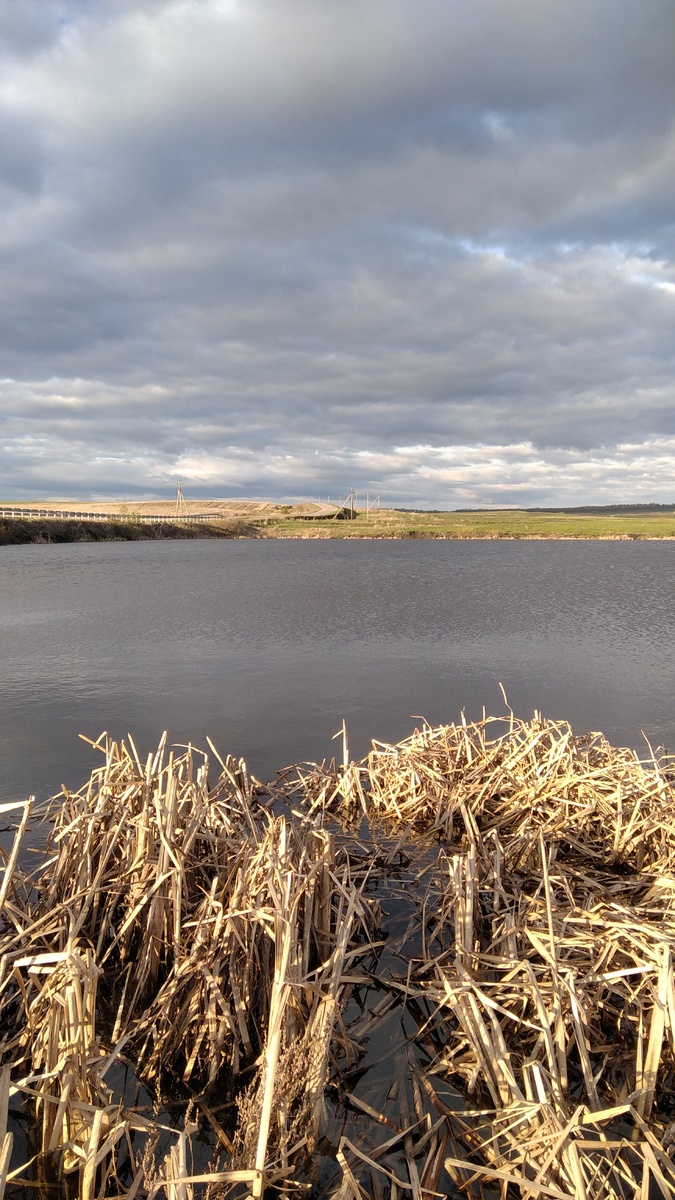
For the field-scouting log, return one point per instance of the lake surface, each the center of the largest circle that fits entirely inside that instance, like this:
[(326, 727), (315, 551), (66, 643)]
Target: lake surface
[(266, 646)]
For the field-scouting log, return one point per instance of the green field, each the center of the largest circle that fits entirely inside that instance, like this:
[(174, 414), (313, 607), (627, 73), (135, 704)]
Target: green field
[(507, 523)]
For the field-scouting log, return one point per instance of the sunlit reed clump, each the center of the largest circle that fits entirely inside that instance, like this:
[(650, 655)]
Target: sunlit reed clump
[(545, 975), (185, 929), (220, 946)]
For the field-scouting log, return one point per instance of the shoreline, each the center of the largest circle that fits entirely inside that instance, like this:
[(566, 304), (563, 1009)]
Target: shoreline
[(467, 537), (19, 532)]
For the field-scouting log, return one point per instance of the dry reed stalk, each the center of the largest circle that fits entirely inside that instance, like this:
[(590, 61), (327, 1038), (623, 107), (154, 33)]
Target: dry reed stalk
[(14, 893), (280, 1115), (562, 1029), (60, 1043), (546, 982), (6, 1143), (6, 1139), (198, 931), (10, 866), (534, 777)]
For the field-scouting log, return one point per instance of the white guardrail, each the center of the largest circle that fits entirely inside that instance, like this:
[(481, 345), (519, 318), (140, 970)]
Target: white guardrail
[(34, 514)]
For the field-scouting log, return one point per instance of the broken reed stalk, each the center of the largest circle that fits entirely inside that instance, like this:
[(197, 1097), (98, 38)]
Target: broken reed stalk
[(545, 986), (6, 1139), (184, 926)]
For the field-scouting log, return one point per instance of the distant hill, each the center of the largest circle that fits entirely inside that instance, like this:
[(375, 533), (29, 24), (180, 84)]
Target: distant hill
[(583, 510), (608, 510), (580, 510)]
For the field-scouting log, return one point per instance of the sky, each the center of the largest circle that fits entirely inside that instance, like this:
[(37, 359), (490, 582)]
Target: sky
[(280, 248)]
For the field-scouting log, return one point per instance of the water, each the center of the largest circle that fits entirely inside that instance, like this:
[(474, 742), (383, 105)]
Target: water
[(266, 646)]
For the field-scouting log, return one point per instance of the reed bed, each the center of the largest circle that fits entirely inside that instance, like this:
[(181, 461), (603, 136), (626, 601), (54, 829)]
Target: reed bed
[(542, 986), (185, 929), (517, 778), (513, 1035)]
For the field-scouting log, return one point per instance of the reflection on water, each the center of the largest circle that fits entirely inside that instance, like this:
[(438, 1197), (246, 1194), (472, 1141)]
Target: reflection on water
[(265, 646)]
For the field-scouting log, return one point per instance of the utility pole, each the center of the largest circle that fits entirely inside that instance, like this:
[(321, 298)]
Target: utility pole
[(181, 506)]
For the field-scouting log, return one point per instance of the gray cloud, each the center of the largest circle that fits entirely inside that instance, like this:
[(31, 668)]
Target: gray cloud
[(282, 248)]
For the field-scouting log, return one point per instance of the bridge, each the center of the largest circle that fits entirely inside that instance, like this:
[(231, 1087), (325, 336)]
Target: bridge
[(64, 514), (321, 511)]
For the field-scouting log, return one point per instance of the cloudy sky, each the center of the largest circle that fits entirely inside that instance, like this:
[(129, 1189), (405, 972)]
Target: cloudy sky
[(282, 247)]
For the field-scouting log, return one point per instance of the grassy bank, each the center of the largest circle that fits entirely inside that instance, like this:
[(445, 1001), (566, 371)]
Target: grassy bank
[(507, 523), (14, 531), (443, 970)]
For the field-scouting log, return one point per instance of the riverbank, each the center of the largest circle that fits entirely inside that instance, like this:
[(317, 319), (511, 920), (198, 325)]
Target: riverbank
[(441, 967), (507, 525), (15, 531)]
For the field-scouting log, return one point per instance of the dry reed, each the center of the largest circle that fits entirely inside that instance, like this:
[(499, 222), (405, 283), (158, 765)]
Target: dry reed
[(544, 989), (190, 930)]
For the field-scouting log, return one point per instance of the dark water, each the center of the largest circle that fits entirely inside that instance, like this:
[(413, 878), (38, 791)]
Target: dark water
[(266, 646)]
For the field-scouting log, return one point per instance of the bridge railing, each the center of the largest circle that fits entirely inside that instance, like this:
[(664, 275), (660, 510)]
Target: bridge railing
[(53, 514)]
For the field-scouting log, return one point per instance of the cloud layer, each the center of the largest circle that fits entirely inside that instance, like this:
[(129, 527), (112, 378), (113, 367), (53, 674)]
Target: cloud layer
[(282, 247)]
